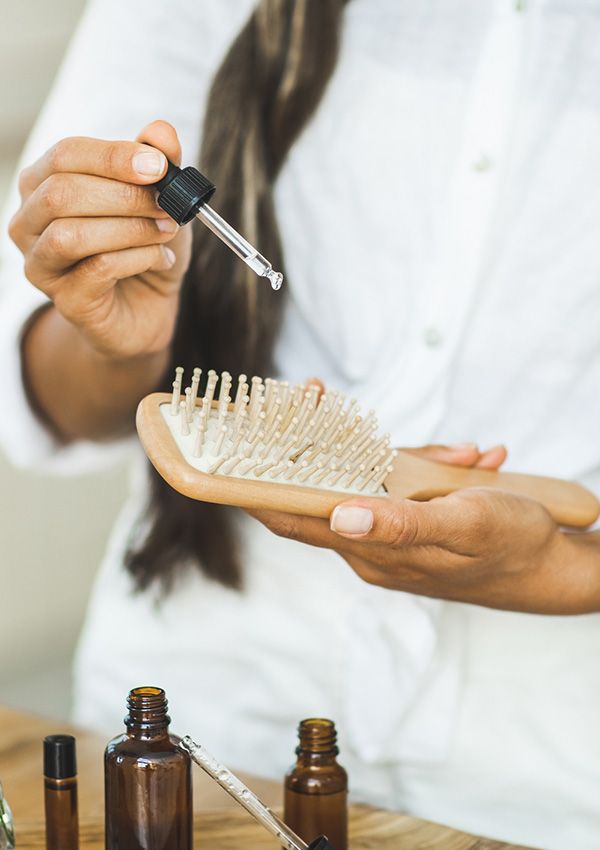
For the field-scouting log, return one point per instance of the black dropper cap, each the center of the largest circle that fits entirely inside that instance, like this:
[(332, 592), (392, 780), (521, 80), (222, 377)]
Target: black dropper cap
[(59, 757), (182, 191)]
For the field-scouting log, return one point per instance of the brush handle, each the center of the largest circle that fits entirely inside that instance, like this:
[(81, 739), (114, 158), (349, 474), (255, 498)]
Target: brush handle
[(568, 502)]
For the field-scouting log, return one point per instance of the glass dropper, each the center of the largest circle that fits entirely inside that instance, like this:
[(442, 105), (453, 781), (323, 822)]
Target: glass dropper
[(239, 245), (184, 192), (248, 799)]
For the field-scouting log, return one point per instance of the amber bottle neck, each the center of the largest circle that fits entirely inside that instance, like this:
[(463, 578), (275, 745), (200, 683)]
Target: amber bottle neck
[(147, 717), (318, 741)]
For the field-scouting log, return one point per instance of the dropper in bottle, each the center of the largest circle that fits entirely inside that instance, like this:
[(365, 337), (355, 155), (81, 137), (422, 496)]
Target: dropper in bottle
[(184, 192), (248, 799)]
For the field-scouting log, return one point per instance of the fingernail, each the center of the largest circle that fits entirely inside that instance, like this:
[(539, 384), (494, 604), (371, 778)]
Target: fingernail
[(166, 225), (463, 446), (170, 255), (149, 163), (351, 520)]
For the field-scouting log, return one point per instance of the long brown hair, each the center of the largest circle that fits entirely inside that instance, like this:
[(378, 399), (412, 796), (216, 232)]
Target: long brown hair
[(266, 89)]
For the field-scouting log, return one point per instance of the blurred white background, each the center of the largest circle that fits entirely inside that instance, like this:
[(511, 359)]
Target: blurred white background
[(52, 531)]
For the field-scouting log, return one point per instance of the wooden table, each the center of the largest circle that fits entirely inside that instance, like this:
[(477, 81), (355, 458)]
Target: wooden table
[(220, 824)]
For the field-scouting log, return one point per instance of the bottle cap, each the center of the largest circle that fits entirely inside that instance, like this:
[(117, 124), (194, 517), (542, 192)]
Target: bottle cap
[(182, 191), (59, 757)]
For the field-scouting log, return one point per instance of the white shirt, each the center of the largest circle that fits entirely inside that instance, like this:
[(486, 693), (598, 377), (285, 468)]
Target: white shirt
[(440, 220)]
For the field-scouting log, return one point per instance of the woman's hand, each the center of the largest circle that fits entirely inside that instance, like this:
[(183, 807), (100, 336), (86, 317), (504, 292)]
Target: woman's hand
[(476, 545), (98, 245)]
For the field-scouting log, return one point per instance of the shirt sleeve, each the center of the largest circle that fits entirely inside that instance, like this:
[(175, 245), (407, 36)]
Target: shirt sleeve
[(129, 63)]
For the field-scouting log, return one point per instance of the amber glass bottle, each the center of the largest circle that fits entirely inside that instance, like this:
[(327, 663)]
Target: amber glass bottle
[(60, 793), (148, 780), (316, 787)]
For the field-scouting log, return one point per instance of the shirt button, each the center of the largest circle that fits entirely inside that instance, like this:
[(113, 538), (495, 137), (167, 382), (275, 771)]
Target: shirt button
[(432, 337), (482, 163)]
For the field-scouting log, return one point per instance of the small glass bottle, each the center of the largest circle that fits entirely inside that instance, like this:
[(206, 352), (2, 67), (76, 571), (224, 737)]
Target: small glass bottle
[(60, 793), (147, 780), (7, 831), (316, 787)]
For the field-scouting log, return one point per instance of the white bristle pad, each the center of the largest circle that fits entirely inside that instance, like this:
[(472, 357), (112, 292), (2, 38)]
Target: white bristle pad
[(280, 434)]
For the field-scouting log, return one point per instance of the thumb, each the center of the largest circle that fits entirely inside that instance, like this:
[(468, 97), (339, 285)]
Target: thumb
[(400, 522), (162, 136)]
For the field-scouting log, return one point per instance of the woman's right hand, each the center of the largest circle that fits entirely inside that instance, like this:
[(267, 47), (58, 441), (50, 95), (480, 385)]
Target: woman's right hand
[(98, 245)]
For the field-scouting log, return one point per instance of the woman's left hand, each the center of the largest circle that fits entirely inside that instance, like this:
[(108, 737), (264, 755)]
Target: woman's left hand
[(476, 545)]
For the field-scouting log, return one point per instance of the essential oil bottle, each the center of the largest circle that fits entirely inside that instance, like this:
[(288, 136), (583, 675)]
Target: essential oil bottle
[(60, 793), (147, 780), (316, 787)]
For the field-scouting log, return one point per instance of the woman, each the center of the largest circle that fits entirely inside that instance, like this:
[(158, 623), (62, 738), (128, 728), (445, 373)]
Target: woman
[(423, 172)]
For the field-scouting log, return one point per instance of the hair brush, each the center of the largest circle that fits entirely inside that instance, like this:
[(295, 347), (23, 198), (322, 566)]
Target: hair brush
[(266, 444)]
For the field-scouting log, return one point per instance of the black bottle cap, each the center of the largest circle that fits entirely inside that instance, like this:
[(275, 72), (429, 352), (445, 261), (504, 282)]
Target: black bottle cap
[(182, 191), (59, 757)]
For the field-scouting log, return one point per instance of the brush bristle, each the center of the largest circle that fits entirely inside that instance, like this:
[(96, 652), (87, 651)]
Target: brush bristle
[(269, 431)]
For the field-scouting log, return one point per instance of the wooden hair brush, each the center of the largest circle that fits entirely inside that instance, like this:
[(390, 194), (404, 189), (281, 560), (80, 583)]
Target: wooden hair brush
[(285, 448)]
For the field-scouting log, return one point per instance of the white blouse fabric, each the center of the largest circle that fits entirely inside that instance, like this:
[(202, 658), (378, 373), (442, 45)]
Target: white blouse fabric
[(440, 218)]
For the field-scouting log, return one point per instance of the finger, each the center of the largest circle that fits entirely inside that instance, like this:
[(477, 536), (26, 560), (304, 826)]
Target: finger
[(128, 162), (492, 458), (162, 136), (316, 382), (348, 528), (385, 565), (405, 523), (66, 241), (18, 231), (462, 454), (373, 549), (81, 195), (92, 278)]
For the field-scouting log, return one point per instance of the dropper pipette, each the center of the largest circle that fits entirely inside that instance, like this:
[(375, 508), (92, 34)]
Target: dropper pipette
[(183, 193), (248, 799)]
